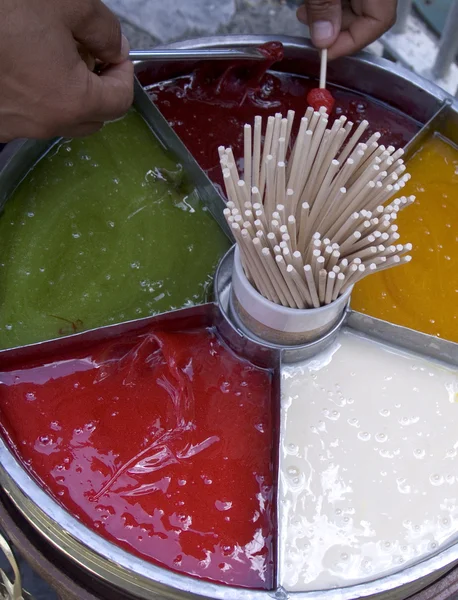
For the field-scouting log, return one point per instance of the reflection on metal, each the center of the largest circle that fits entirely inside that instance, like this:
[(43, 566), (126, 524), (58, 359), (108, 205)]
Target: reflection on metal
[(444, 122), (172, 143), (174, 54), (10, 590), (404, 8), (105, 561), (448, 45), (288, 354)]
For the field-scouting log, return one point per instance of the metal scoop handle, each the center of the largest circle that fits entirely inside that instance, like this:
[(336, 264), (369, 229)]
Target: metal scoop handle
[(173, 54)]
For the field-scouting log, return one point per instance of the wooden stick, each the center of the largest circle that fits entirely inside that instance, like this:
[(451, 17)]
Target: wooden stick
[(264, 271), (289, 281), (314, 120), (329, 154), (290, 119), (335, 256), (366, 253), (287, 239), (283, 130), (396, 261), (280, 215), (354, 277), (297, 153), (353, 141), (330, 283), (275, 227), (251, 270), (348, 245), (308, 272), (304, 215), (289, 201), (297, 262), (322, 279), (231, 192), (320, 262), (281, 157), (281, 183), (316, 254), (297, 183), (316, 141), (247, 162), (269, 204), (276, 135), (272, 240), (292, 230), (320, 200), (338, 286), (257, 150), (282, 290), (265, 154), (309, 191), (323, 68), (256, 250), (330, 209), (300, 285)]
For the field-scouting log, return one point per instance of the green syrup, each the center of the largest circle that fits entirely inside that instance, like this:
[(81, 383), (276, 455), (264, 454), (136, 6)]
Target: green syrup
[(103, 230)]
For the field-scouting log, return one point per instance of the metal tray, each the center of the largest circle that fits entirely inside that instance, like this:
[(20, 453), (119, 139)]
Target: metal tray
[(76, 543)]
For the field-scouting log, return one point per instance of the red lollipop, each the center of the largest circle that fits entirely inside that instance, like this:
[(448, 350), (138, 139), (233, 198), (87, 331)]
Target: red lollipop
[(319, 97)]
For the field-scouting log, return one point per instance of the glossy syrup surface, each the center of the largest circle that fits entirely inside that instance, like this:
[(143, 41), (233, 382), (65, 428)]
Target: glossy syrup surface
[(103, 230), (207, 113), (423, 295), (160, 443), (368, 464)]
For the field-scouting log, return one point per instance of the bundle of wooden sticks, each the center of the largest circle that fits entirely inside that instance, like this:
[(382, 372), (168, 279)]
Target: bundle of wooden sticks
[(312, 218)]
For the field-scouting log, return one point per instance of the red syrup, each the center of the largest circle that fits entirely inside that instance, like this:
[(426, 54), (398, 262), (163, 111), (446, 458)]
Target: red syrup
[(160, 443), (207, 113), (318, 98)]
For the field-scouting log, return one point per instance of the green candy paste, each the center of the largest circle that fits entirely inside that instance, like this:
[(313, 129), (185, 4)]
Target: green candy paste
[(103, 230)]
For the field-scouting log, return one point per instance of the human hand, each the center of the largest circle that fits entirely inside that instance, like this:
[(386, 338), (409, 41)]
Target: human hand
[(47, 89), (346, 26)]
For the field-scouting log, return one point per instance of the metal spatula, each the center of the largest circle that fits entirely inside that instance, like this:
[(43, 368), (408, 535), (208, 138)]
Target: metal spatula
[(197, 54)]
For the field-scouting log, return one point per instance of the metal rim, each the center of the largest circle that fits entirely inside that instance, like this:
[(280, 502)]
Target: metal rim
[(137, 576), (294, 42)]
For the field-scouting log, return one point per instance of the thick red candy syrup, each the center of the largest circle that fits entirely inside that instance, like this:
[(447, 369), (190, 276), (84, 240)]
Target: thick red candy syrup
[(208, 109), (318, 97), (160, 443)]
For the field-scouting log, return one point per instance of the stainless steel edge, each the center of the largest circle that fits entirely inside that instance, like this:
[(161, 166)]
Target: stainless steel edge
[(176, 54), (171, 142), (407, 339), (77, 542), (103, 558), (363, 72), (16, 160), (173, 318), (444, 122), (98, 556), (401, 584), (256, 345)]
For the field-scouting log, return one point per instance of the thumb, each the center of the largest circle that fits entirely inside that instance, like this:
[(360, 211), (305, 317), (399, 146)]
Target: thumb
[(111, 94), (324, 17), (97, 29)]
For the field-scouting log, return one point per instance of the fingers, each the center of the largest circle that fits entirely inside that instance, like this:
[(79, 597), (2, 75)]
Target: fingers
[(368, 21), (111, 94), (96, 28), (81, 130), (324, 17)]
